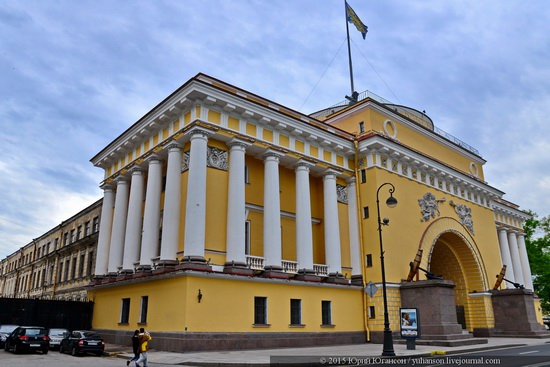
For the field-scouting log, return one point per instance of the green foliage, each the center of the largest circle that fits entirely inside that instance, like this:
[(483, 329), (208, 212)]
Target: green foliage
[(537, 241)]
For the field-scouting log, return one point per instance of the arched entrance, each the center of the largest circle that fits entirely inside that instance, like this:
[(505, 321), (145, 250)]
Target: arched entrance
[(452, 253)]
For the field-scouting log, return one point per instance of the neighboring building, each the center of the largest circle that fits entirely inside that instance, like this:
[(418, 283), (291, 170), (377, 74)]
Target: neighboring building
[(57, 265), (238, 222)]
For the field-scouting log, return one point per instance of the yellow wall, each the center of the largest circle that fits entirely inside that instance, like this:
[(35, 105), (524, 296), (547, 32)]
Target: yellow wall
[(174, 306)]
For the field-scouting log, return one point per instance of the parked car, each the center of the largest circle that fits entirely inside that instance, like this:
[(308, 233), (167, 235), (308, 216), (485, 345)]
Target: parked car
[(56, 335), (546, 322), (5, 331), (79, 342), (28, 338)]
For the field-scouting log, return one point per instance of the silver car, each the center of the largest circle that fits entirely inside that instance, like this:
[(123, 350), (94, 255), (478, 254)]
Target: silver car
[(5, 331), (55, 337)]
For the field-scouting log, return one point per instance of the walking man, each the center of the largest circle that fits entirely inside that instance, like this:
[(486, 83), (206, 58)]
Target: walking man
[(144, 339)]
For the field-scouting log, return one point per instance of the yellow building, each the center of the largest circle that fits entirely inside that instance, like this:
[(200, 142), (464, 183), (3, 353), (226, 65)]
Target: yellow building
[(230, 221)]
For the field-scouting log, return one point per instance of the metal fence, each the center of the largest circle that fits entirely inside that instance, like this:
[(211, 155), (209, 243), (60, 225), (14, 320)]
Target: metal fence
[(70, 315)]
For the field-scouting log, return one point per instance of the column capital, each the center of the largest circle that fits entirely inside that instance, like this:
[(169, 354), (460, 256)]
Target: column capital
[(153, 158), (172, 146), (198, 132), (351, 180), (107, 186), (136, 170), (121, 180), (329, 173), (272, 154), (303, 164), (236, 143)]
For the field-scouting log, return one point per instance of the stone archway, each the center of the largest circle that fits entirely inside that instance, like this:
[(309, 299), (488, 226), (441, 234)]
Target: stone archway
[(452, 253)]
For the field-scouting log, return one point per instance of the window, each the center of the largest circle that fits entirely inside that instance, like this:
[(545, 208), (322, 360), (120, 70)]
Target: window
[(73, 268), (295, 312), (260, 310), (247, 237), (246, 175), (66, 275), (55, 243), (125, 311), (96, 224), (79, 232), (365, 212), (326, 312), (369, 260), (59, 272), (363, 176), (87, 228), (90, 263), (81, 265), (143, 311), (361, 127), (372, 313), (72, 235), (65, 238)]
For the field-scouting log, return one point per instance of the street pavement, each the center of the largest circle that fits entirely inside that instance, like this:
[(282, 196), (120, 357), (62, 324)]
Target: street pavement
[(327, 355)]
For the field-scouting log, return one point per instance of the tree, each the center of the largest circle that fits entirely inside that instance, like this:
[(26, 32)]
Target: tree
[(537, 241)]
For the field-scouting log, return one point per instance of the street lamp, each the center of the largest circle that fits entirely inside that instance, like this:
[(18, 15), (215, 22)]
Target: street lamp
[(388, 339)]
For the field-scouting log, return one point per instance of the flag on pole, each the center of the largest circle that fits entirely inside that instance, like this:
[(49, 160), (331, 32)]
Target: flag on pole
[(353, 18)]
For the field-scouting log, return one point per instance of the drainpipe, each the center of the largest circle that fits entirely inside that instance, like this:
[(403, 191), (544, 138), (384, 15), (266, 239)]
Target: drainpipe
[(361, 242)]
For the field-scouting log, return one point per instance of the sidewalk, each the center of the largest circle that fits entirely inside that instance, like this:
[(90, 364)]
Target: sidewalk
[(261, 357)]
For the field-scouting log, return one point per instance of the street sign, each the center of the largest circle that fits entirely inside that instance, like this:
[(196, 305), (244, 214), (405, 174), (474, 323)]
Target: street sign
[(371, 289)]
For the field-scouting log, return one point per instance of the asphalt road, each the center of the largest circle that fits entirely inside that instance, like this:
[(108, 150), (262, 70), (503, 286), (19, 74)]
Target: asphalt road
[(56, 359)]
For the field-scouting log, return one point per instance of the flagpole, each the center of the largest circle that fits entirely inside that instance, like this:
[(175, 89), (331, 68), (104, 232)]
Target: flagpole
[(349, 49)]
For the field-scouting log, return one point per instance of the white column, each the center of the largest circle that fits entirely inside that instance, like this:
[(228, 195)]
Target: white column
[(172, 205), (505, 255), (105, 228), (332, 227), (195, 210), (304, 232), (236, 218), (272, 211), (354, 243), (527, 277), (514, 253), (116, 250), (151, 215), (132, 238)]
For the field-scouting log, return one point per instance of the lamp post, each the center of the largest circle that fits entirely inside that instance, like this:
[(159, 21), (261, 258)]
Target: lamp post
[(391, 202)]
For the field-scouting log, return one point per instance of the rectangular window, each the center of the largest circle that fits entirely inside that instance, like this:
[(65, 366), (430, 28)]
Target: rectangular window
[(369, 261), (90, 263), (79, 232), (66, 275), (65, 238), (260, 310), (372, 313), (55, 243), (73, 268), (361, 127), (95, 224), (295, 312), (326, 312), (59, 272), (143, 311), (72, 235), (81, 265), (247, 237), (363, 176), (246, 175), (87, 228), (125, 311), (365, 212)]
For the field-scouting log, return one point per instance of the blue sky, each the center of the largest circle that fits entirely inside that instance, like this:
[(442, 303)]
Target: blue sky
[(75, 74)]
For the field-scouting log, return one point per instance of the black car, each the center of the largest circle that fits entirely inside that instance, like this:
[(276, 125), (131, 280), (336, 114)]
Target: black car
[(5, 331), (28, 338), (79, 342)]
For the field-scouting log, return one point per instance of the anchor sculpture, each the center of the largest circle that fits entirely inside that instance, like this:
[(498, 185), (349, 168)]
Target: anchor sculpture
[(500, 278), (415, 267)]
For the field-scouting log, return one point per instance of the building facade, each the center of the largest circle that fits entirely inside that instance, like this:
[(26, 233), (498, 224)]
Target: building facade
[(229, 217), (57, 265)]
